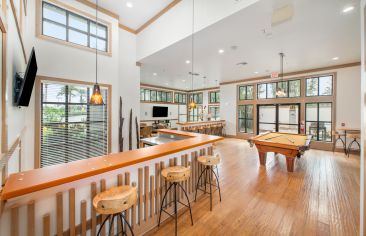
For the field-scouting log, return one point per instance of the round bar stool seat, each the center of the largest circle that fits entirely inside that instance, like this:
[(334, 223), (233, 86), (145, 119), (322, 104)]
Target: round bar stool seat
[(175, 175), (209, 161), (113, 202)]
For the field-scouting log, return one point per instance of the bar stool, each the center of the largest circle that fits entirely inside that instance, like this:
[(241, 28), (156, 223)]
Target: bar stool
[(355, 137), (338, 136), (113, 202), (175, 175), (209, 162)]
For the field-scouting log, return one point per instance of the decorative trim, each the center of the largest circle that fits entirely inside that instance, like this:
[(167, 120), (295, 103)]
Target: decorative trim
[(63, 42), (294, 73), (4, 123), (101, 9), (128, 29), (18, 30), (157, 16), (37, 129), (161, 87)]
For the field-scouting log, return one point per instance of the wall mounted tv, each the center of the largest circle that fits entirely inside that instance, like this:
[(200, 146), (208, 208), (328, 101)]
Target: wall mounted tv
[(23, 85), (160, 111)]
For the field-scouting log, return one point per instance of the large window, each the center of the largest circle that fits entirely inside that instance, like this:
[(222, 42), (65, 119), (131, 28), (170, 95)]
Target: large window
[(319, 121), (214, 111), (245, 119), (214, 97), (198, 97), (180, 98), (67, 26), (195, 114), (149, 95), (71, 128), (291, 88), (319, 86), (246, 92)]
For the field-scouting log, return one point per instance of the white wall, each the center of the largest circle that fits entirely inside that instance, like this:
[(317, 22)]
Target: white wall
[(347, 107), (176, 24)]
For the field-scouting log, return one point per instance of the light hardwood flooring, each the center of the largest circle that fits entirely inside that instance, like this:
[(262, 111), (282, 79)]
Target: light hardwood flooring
[(321, 197)]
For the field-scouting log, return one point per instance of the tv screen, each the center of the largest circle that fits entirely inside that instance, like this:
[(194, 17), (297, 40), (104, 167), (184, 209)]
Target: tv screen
[(28, 81), (160, 111)]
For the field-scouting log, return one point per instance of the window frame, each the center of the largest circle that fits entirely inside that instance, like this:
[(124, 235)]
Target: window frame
[(216, 99), (168, 95), (287, 82), (246, 92), (318, 89), (71, 10), (216, 115), (245, 119), (318, 121), (38, 107)]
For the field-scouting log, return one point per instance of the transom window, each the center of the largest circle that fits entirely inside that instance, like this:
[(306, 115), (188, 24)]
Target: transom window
[(71, 128), (246, 92), (245, 119), (67, 26), (214, 112), (180, 98), (319, 121), (149, 95), (291, 88), (214, 97), (197, 97), (319, 86)]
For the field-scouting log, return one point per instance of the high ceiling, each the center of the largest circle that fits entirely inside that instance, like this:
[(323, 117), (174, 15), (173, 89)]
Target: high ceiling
[(134, 17), (317, 32)]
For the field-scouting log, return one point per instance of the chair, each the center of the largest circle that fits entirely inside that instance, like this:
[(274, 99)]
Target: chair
[(209, 162), (355, 137), (338, 136), (113, 202), (175, 175)]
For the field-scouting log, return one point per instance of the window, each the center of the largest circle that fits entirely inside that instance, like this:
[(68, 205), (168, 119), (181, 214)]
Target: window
[(149, 95), (71, 128), (195, 114), (214, 97), (245, 116), (319, 121), (180, 98), (319, 86), (67, 26), (198, 97), (246, 92), (268, 90), (214, 111)]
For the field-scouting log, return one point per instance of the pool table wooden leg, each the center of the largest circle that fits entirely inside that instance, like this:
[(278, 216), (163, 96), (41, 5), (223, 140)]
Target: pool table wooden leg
[(262, 158), (290, 161)]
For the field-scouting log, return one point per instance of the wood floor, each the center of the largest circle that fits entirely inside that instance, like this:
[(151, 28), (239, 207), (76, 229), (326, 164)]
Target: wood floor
[(320, 198)]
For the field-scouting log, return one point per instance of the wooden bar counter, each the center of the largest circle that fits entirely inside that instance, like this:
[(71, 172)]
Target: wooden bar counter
[(81, 180)]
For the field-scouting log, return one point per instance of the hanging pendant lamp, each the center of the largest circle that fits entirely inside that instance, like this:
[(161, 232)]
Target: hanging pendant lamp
[(279, 91), (96, 98), (192, 104)]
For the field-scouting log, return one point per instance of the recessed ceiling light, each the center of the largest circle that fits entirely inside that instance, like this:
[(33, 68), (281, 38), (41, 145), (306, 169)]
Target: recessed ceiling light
[(183, 80), (221, 51), (129, 4), (188, 61), (155, 74), (335, 58), (256, 72), (348, 9)]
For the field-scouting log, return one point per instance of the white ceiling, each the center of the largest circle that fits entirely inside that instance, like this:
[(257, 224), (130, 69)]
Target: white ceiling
[(139, 14), (317, 32)]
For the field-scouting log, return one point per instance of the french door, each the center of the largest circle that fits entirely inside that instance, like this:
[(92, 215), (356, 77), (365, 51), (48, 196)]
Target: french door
[(278, 118)]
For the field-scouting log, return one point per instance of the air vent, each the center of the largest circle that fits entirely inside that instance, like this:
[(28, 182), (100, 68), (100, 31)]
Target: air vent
[(282, 15), (242, 63)]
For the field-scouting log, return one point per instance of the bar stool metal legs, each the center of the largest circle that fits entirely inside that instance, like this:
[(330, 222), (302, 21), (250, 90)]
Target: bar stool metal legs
[(175, 186), (123, 221), (208, 171), (350, 146)]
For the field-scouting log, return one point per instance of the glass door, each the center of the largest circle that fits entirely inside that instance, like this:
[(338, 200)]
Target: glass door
[(279, 118)]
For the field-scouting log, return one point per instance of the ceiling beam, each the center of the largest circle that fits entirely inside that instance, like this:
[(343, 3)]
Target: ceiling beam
[(157, 16)]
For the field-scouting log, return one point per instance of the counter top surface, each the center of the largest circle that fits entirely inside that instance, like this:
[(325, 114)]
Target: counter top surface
[(39, 179)]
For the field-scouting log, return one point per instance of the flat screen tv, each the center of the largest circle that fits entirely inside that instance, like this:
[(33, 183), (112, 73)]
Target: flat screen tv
[(24, 88), (160, 111)]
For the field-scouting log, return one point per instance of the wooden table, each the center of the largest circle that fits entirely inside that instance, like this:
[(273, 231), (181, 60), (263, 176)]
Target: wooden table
[(290, 145), (345, 130)]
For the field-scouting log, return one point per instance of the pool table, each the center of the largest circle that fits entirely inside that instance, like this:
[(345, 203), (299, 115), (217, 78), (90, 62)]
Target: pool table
[(290, 145)]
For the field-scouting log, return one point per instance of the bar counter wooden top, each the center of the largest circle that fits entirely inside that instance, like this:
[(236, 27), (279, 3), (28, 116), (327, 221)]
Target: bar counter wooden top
[(201, 122), (39, 179)]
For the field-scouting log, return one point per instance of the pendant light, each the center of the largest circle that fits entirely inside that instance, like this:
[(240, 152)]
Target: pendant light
[(279, 91), (192, 103), (96, 98)]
